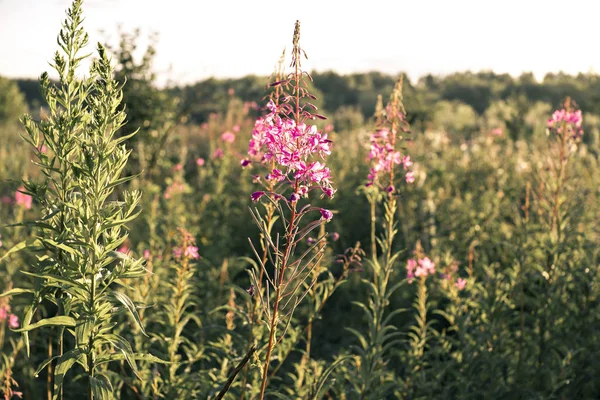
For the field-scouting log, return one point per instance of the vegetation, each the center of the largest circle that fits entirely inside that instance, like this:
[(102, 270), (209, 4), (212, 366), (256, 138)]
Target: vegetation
[(305, 236)]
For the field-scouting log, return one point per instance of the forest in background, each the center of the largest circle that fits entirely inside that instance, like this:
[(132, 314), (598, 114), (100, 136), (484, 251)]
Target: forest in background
[(350, 99)]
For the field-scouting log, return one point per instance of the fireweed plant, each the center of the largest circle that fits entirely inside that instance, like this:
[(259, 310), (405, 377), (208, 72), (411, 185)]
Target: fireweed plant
[(557, 212), (78, 269), (296, 150), (372, 380)]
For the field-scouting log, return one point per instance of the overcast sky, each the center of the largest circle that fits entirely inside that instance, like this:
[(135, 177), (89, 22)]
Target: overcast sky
[(226, 38)]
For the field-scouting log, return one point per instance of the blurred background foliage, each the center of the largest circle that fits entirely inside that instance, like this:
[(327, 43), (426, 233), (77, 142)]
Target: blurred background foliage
[(504, 100)]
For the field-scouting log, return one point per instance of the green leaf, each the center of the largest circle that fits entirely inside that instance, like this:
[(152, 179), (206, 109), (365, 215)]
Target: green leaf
[(323, 384), (126, 301), (51, 277), (16, 291), (44, 365), (63, 366), (29, 310), (123, 345), (101, 387), (61, 246), (136, 356), (360, 337), (62, 320), (25, 244)]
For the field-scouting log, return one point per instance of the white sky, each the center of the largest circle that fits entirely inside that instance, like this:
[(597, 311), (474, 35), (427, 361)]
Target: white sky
[(227, 38)]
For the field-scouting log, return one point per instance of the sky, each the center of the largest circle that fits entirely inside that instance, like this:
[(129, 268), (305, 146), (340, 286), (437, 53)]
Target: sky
[(226, 38)]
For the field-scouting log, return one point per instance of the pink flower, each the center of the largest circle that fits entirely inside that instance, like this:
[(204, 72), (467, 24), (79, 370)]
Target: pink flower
[(236, 128), (384, 157), (276, 175), (292, 148), (174, 188), (410, 178), (6, 200), (178, 167), (461, 283), (13, 321), (419, 268), (497, 132), (571, 120), (407, 162), (23, 199), (147, 254), (256, 196), (228, 137), (427, 265), (218, 153), (326, 214), (123, 249), (245, 162), (200, 161), (328, 191), (0, 240), (335, 236), (189, 252)]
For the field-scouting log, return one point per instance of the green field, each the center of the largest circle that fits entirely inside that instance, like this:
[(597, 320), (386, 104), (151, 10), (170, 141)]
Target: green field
[(296, 236)]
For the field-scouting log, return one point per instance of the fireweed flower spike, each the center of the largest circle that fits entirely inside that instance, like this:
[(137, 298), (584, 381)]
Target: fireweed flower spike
[(567, 121), (383, 152), (386, 158), (565, 129), (419, 268), (293, 152)]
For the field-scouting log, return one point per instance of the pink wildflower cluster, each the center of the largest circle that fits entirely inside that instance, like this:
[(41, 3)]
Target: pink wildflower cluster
[(497, 132), (418, 268), (384, 157), (291, 147), (228, 137), (249, 106), (190, 252), (23, 199), (449, 275), (460, 283), (5, 314), (572, 120), (173, 189), (218, 153)]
